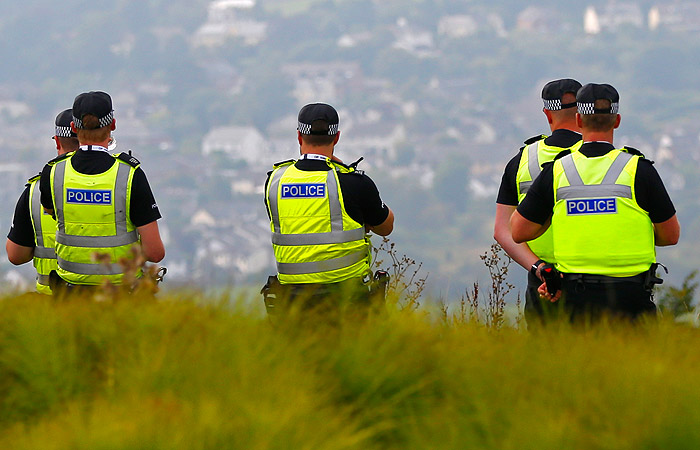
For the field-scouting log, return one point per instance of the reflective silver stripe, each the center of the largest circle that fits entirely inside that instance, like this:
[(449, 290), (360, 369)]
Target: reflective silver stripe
[(525, 186), (533, 160), (334, 237), (594, 191), (272, 197), (97, 241), (321, 266), (43, 252), (334, 201), (90, 269), (59, 177), (36, 215), (570, 170), (533, 166), (120, 187), (577, 189), (42, 279), (616, 168)]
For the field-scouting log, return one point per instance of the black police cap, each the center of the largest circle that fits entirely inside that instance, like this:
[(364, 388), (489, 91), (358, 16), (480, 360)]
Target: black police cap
[(318, 112), (588, 94), (553, 91), (63, 120), (95, 103)]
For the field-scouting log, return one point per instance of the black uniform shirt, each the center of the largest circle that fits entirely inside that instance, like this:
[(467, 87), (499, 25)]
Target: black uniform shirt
[(21, 231), (508, 191), (360, 194), (143, 210), (650, 190)]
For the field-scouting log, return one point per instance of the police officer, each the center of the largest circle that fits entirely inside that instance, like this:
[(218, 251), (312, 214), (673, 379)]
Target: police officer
[(608, 209), (33, 232), (559, 97), (320, 210), (103, 203)]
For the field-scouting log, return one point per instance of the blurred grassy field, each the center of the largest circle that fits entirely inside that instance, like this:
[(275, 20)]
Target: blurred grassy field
[(192, 373)]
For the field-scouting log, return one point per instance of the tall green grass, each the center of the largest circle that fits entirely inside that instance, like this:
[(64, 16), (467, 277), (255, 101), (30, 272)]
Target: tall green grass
[(189, 373)]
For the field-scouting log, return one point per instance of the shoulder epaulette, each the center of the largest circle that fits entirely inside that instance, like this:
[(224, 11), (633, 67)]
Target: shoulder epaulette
[(347, 168), (130, 160), (633, 151), (534, 139), (60, 158), (34, 178), (281, 163)]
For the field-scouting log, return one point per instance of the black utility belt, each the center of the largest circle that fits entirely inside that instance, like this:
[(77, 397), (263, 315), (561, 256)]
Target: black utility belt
[(604, 279)]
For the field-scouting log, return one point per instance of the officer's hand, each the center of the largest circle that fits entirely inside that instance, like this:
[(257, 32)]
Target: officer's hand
[(544, 293)]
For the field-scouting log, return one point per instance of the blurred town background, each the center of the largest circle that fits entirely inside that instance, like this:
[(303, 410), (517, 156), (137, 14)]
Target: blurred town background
[(436, 95)]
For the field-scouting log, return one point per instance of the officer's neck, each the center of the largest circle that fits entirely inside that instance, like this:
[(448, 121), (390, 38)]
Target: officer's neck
[(566, 124), (323, 150), (104, 143), (597, 136)]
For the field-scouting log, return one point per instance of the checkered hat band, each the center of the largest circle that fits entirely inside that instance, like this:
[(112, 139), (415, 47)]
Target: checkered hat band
[(64, 132), (104, 121), (305, 128), (552, 105), (589, 108)]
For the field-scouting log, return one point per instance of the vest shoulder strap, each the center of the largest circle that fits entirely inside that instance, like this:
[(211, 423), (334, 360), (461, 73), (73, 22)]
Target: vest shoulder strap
[(635, 152), (34, 178), (284, 163), (60, 158), (130, 160), (343, 168), (534, 139)]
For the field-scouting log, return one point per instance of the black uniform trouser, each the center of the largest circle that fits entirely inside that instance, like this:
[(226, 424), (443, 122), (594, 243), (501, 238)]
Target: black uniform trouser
[(326, 301), (590, 299)]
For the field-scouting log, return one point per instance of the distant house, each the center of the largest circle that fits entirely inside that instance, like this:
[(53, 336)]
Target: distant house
[(413, 40), (327, 81), (202, 218), (612, 16), (226, 19), (239, 143), (457, 26), (538, 19), (679, 17), (354, 39), (479, 20), (372, 136)]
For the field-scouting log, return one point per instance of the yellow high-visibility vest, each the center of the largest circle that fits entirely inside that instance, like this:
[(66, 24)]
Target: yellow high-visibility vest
[(533, 156), (313, 237), (599, 228), (92, 214), (44, 238)]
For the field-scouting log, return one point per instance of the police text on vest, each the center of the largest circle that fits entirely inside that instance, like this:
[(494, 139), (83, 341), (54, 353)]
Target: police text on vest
[(304, 190), (89, 196), (591, 206)]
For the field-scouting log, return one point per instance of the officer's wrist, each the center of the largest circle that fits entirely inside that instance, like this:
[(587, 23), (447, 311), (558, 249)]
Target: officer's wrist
[(536, 265)]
